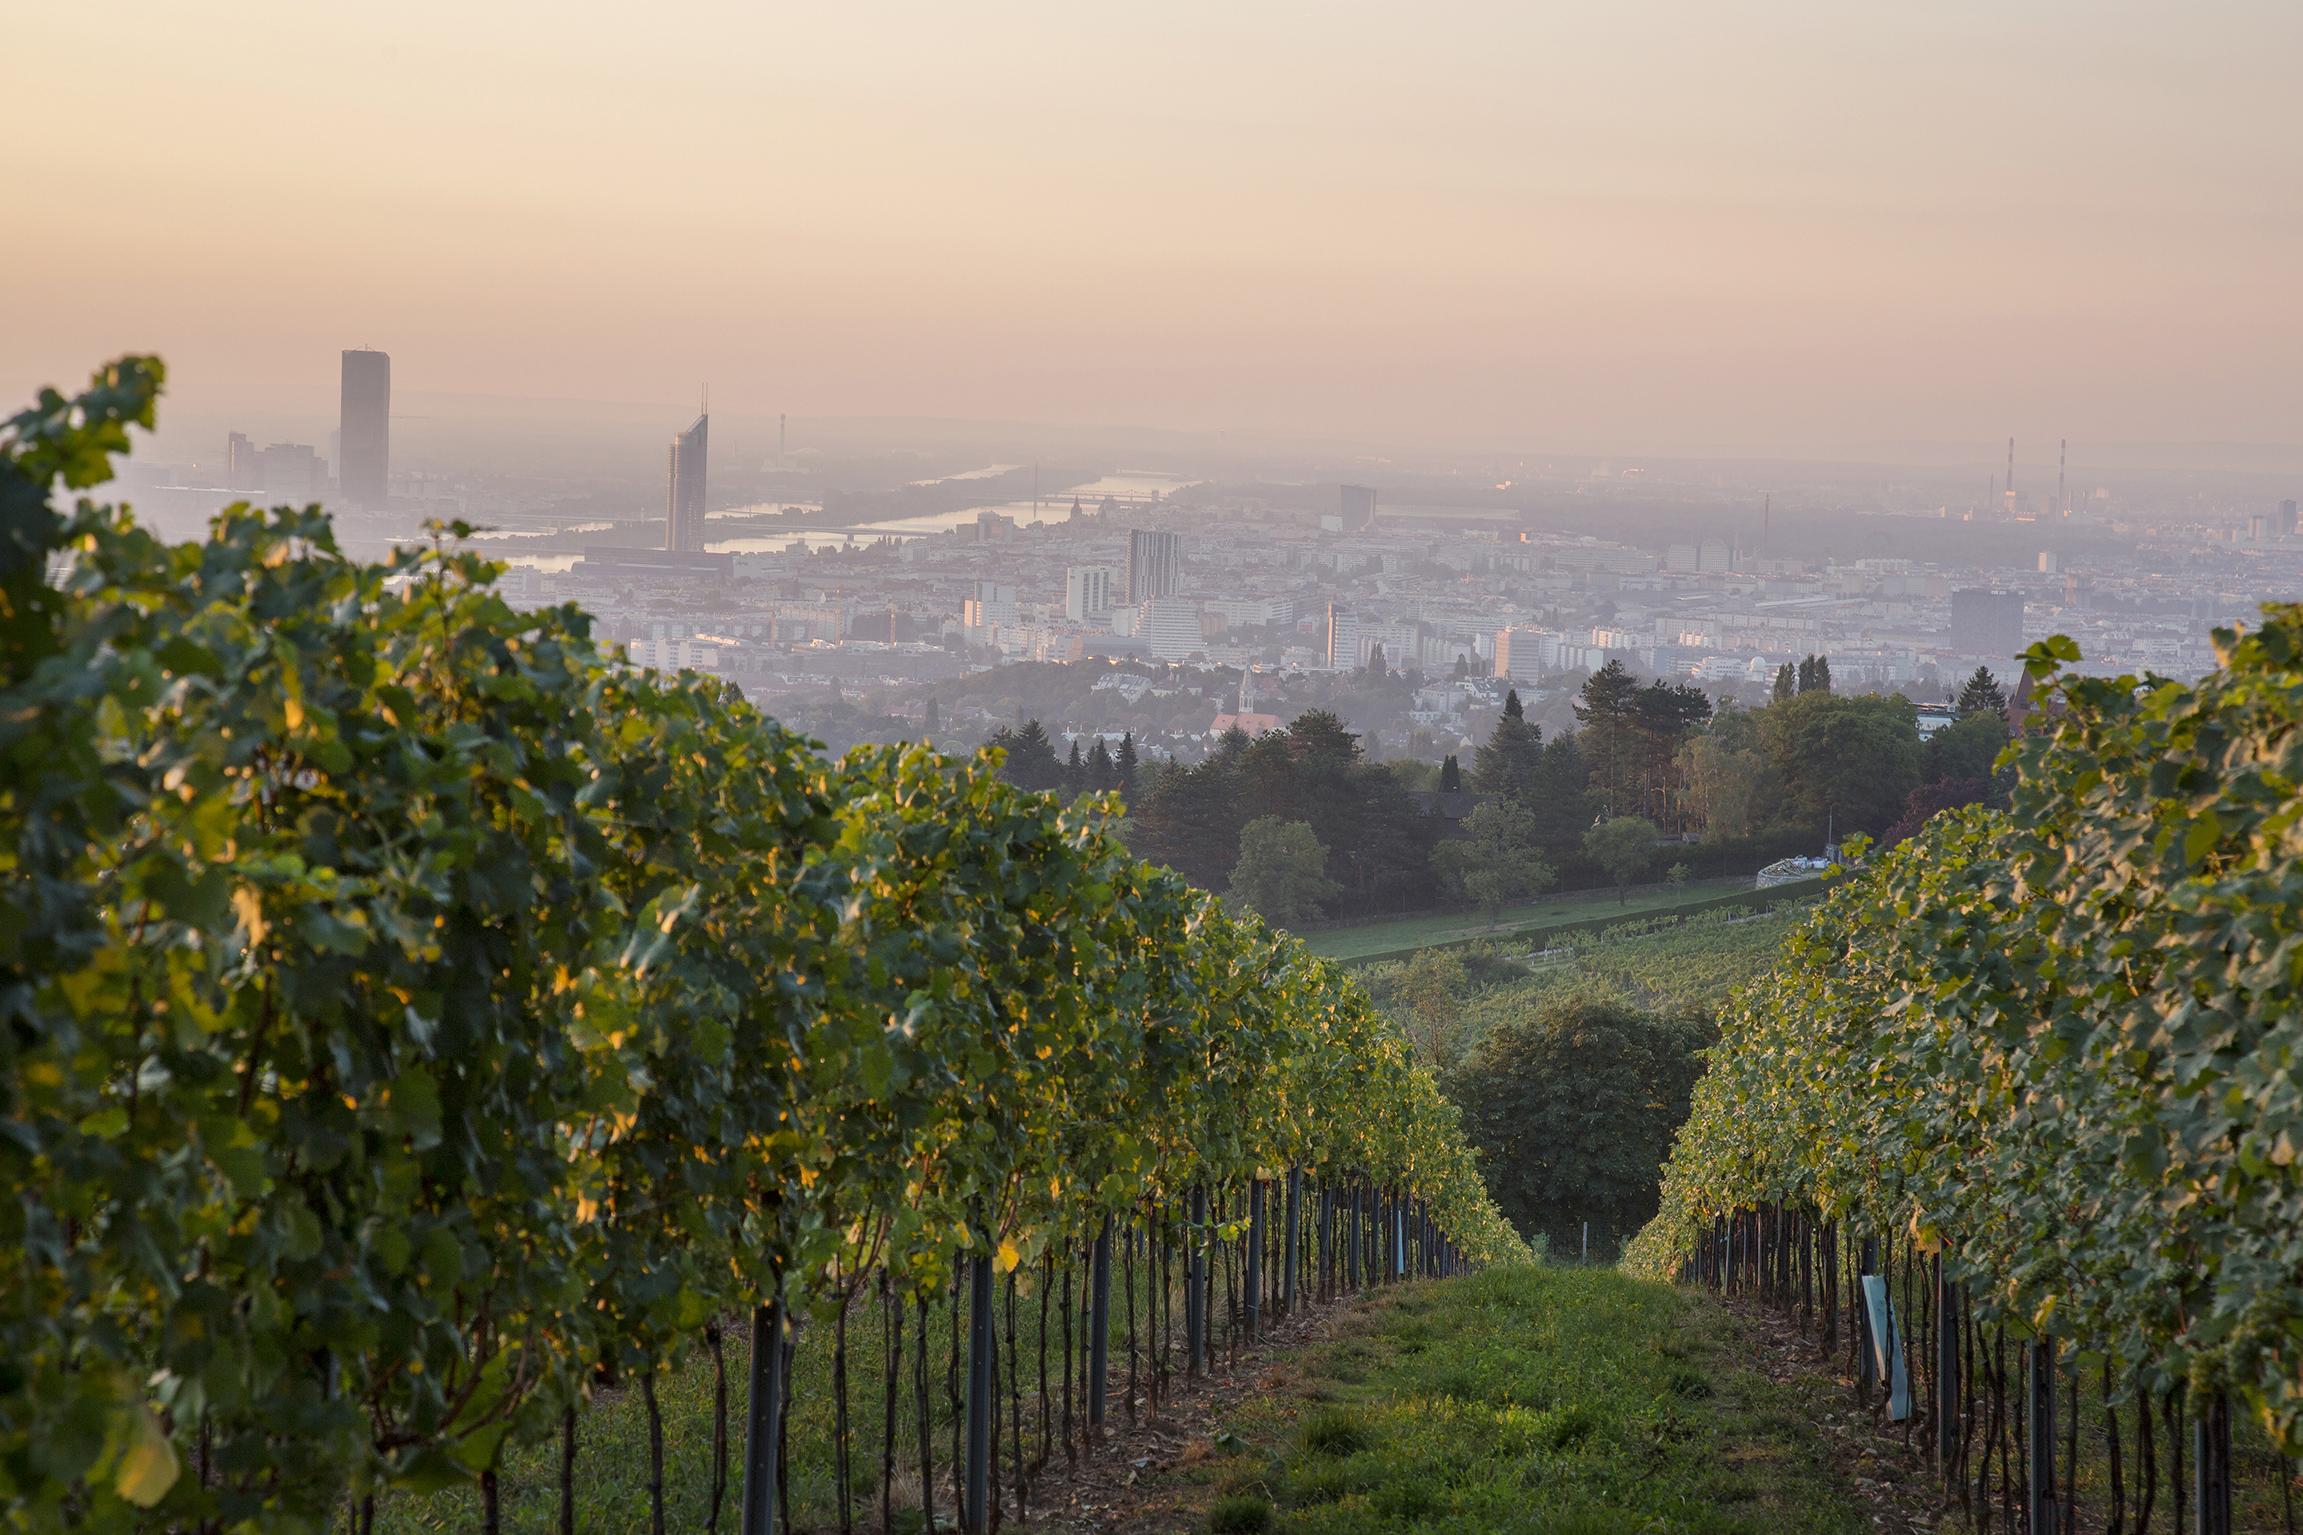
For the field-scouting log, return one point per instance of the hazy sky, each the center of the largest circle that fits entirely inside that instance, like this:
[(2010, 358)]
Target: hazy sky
[(1606, 225)]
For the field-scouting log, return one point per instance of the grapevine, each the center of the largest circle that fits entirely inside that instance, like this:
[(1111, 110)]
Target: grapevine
[(415, 1017)]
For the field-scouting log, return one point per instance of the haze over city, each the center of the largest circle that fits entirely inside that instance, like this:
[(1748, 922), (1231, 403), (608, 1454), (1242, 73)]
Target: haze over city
[(1785, 228), (1187, 769)]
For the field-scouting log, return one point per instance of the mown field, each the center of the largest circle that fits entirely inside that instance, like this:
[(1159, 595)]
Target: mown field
[(1455, 927), (1568, 1401), (1447, 999)]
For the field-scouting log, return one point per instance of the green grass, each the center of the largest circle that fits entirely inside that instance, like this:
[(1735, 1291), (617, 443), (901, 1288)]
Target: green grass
[(1409, 933), (1555, 1400)]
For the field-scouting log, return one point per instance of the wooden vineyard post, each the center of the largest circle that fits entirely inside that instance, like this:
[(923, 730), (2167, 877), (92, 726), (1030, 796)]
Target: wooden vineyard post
[(763, 1417), (975, 1505), (1867, 1368), (2040, 1498), (1947, 1304), (1100, 1327), (1255, 1236), (1293, 1239), (1195, 1284), (2211, 1453), (1351, 1242)]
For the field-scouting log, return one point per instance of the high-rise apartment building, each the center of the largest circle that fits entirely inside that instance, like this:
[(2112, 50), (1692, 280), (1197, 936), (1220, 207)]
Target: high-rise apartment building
[(1356, 508), (1342, 652), (364, 429), (684, 486), (1987, 623), (1155, 559), (2287, 519), (1088, 592), (1522, 652), (1170, 628)]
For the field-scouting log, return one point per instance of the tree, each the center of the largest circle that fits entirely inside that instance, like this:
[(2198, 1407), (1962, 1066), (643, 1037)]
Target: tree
[(931, 718), (1729, 790), (1623, 846), (1463, 668), (1431, 984), (1677, 876), (1282, 870), (1981, 693), (1124, 765), (1814, 675), (1931, 799), (1031, 761), (1450, 775), (1608, 710), (1663, 716), (1786, 686), (1561, 800), (1966, 748), (1375, 666), (1075, 780), (1102, 775), (1495, 861), (1573, 1109), (1508, 763), (1845, 762)]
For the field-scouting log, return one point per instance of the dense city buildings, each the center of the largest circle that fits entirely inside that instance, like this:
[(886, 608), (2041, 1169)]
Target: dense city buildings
[(901, 590), (364, 429)]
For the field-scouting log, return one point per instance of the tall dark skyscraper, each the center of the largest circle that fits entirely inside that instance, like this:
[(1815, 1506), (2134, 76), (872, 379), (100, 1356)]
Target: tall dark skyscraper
[(1357, 504), (1987, 623), (684, 490), (1153, 559), (364, 428)]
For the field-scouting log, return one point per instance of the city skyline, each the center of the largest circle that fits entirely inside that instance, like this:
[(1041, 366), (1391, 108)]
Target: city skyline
[(1646, 230)]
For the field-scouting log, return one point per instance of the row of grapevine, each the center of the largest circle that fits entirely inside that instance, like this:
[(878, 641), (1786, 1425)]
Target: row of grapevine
[(2052, 1052), (412, 1019)]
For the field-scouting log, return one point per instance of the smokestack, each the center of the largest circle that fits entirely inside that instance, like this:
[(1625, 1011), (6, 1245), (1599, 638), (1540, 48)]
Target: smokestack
[(779, 434), (2011, 466), (2062, 461)]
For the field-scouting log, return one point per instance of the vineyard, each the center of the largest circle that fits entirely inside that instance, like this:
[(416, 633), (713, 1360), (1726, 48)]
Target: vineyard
[(2016, 1116), (419, 1028)]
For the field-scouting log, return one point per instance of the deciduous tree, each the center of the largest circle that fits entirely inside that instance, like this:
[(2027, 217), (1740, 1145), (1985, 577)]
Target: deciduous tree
[(1282, 870)]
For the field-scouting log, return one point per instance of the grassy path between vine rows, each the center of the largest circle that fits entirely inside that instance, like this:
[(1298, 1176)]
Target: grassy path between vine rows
[(1555, 1400)]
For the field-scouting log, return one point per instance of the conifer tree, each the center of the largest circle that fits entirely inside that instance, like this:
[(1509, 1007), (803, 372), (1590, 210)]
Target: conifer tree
[(1124, 765)]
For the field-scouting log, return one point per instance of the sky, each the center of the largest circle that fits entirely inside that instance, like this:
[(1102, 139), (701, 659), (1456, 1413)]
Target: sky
[(1610, 225)]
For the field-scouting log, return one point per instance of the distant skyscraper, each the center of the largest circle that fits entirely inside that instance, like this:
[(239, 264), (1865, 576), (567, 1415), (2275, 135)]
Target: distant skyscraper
[(2287, 519), (1357, 508), (684, 488), (1987, 623), (1153, 561), (364, 428)]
